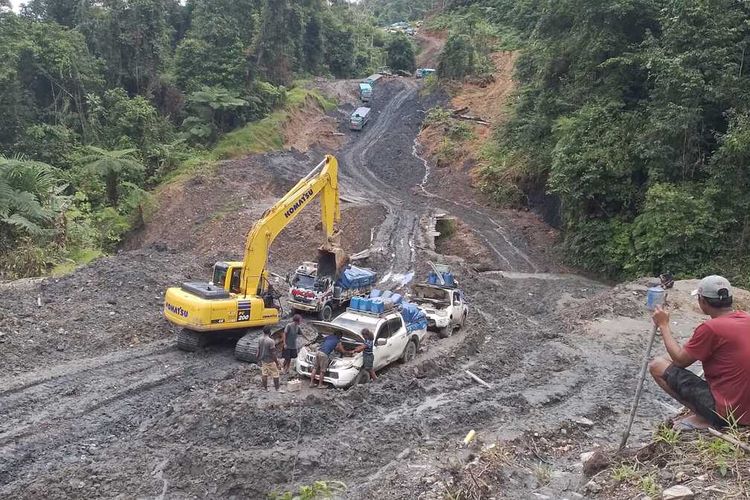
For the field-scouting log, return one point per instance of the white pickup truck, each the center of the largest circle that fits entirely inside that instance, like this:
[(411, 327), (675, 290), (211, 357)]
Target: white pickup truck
[(394, 340), (444, 305)]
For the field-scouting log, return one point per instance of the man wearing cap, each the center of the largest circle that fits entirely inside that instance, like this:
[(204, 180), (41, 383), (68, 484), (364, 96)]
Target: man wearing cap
[(722, 344)]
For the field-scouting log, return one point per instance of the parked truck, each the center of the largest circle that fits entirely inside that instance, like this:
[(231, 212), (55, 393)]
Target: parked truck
[(322, 288), (424, 72), (359, 118), (365, 92), (442, 301)]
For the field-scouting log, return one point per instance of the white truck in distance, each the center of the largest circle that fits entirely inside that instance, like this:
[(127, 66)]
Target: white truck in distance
[(397, 337), (444, 306)]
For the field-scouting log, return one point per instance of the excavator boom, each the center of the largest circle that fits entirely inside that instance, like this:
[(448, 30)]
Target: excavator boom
[(321, 181)]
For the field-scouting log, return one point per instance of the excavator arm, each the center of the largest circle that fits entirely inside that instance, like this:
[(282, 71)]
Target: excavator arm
[(323, 181)]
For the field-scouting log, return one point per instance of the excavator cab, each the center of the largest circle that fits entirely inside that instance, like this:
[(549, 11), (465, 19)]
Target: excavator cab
[(227, 276)]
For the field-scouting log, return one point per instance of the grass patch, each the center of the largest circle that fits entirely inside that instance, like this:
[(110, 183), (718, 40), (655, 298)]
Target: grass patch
[(667, 435), (318, 490), (76, 258), (686, 456), (257, 137), (624, 473)]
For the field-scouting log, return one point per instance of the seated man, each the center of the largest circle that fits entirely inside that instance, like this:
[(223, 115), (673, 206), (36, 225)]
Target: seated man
[(722, 344)]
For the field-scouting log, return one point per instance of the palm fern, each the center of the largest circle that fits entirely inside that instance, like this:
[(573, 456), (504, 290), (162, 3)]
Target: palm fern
[(113, 167), (28, 192)]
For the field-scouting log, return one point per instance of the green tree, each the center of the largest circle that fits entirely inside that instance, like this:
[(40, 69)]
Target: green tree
[(30, 196), (458, 58), (114, 168), (133, 37), (401, 53)]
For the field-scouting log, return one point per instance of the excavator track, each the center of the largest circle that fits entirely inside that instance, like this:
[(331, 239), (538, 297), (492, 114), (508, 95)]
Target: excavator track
[(189, 340), (247, 347)]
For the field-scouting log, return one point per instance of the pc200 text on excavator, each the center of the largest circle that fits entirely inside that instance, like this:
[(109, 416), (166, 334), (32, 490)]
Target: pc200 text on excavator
[(235, 300)]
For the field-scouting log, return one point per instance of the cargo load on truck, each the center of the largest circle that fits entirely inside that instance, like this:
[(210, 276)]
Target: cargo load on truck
[(379, 302), (359, 118), (329, 284)]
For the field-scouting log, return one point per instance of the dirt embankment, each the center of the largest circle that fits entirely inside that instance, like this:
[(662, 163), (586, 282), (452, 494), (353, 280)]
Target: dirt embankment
[(431, 44), (455, 148)]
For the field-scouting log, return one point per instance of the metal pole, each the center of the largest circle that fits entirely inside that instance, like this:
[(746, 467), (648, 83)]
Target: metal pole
[(646, 358)]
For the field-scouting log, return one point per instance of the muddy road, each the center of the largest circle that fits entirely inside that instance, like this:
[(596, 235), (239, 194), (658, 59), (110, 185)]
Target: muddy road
[(97, 402)]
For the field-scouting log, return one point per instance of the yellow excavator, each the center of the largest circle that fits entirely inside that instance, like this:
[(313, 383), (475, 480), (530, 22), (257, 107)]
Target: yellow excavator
[(240, 299)]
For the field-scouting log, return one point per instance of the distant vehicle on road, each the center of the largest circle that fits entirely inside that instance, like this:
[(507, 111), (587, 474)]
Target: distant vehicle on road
[(359, 118), (424, 72), (365, 92), (372, 79)]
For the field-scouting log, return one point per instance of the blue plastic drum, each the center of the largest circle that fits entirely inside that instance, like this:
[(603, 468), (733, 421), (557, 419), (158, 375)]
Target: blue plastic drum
[(655, 296)]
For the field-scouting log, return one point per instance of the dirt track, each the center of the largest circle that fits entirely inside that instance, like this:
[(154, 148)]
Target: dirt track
[(103, 405)]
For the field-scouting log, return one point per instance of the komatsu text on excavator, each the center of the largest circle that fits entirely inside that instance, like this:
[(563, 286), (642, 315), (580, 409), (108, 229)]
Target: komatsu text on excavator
[(237, 298)]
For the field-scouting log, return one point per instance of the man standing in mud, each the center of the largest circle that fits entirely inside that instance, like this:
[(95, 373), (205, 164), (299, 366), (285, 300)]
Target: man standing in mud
[(269, 363), (722, 344), (291, 332)]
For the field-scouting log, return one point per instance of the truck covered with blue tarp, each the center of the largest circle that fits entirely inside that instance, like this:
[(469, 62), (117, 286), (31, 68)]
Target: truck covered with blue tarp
[(322, 288)]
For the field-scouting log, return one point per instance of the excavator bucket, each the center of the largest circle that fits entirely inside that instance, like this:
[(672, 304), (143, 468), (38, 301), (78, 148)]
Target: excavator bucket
[(331, 257)]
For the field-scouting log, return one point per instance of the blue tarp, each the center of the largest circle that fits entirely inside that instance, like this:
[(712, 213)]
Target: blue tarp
[(356, 277), (414, 317), (433, 279)]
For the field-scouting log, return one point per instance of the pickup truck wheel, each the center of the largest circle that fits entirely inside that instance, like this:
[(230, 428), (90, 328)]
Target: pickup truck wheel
[(463, 320), (410, 352), (326, 314), (446, 332)]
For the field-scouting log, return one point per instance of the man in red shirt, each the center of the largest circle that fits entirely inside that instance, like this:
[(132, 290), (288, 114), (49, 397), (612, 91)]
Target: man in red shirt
[(722, 344)]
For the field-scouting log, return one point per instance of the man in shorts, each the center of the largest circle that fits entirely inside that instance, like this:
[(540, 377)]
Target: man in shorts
[(722, 344), (291, 332), (368, 355), (269, 363), (323, 356)]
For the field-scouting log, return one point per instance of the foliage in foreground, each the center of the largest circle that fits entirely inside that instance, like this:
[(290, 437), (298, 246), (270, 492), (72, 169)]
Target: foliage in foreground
[(319, 490)]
